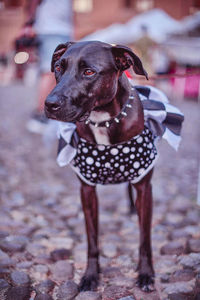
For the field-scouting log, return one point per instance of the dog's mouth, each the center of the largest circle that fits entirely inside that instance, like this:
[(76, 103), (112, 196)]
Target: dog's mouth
[(73, 116)]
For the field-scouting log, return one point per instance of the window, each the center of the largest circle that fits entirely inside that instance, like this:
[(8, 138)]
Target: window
[(83, 6), (143, 5)]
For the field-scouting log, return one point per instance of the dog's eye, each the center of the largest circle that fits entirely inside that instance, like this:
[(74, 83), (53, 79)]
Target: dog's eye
[(57, 68), (89, 72)]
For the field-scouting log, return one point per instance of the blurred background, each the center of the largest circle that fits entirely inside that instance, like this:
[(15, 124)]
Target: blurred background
[(40, 206), (171, 31)]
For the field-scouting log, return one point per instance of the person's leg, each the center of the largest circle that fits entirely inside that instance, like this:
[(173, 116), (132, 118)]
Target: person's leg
[(46, 84), (46, 81)]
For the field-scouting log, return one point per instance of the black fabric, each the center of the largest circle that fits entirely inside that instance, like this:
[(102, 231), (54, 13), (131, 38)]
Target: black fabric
[(153, 105), (145, 91)]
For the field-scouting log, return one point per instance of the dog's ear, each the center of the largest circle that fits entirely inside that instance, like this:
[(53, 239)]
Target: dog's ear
[(125, 58), (58, 52)]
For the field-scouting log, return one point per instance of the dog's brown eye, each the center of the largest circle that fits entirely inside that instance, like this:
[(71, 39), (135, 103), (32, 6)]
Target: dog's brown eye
[(88, 72), (57, 68)]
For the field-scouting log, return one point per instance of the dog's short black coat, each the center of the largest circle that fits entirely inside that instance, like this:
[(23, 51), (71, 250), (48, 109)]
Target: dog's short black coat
[(91, 83)]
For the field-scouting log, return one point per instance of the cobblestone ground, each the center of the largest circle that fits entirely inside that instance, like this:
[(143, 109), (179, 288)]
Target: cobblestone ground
[(42, 237)]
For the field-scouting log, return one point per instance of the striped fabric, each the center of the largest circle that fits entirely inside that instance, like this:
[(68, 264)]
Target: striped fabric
[(163, 119)]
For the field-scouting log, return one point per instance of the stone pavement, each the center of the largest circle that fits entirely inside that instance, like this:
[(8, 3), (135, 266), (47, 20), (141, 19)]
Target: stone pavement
[(42, 236)]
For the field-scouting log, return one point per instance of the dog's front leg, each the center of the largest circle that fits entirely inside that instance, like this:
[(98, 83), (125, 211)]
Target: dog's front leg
[(144, 210), (90, 207)]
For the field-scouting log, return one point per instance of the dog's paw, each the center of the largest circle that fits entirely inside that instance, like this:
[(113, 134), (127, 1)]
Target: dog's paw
[(146, 283), (89, 283)]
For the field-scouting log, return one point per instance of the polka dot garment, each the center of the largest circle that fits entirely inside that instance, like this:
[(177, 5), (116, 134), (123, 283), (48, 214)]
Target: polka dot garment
[(128, 161)]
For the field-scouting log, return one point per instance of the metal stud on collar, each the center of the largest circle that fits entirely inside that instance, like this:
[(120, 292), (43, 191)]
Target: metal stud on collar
[(107, 124), (128, 105), (117, 119)]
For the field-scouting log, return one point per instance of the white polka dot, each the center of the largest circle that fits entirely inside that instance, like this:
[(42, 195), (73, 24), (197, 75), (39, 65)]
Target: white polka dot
[(126, 150), (133, 149), (85, 150), (95, 153), (122, 168), (140, 149), (114, 151), (141, 171), (136, 164), (107, 165), (103, 157), (132, 156), (83, 157), (101, 147), (131, 171), (126, 173), (150, 146), (94, 175), (97, 164), (151, 155), (116, 157), (89, 160), (140, 140), (116, 165)]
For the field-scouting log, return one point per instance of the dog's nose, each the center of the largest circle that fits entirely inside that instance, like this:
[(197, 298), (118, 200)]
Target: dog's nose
[(53, 104)]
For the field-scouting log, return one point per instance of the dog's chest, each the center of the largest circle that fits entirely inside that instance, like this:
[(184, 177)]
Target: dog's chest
[(100, 133), (108, 164)]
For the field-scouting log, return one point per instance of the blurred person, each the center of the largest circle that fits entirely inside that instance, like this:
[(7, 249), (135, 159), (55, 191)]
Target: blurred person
[(52, 22), (144, 47)]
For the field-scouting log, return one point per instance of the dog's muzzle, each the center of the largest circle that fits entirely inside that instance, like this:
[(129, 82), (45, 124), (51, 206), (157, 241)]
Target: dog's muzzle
[(57, 109)]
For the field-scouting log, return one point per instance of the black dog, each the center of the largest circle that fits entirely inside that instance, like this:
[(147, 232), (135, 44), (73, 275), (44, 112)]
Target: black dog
[(112, 142)]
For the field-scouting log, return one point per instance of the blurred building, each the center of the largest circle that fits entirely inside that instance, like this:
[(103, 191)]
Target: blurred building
[(91, 15)]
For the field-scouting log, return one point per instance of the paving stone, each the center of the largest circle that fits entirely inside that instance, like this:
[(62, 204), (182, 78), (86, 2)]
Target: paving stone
[(172, 248), (193, 246), (67, 291), (122, 281), (45, 286), (180, 289), (115, 292), (124, 261), (88, 296), (3, 234), (43, 297), (179, 234), (190, 261), (182, 275), (19, 278), (111, 272), (24, 264), (9, 245), (3, 284), (4, 272), (109, 250), (18, 293), (7, 262), (35, 249), (128, 298), (62, 270), (60, 254), (164, 278)]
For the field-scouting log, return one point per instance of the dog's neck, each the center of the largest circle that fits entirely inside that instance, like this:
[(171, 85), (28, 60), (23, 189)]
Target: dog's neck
[(101, 133), (116, 133)]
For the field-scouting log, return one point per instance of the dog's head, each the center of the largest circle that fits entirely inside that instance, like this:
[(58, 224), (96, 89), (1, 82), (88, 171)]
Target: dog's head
[(87, 76)]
